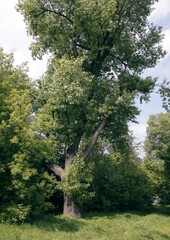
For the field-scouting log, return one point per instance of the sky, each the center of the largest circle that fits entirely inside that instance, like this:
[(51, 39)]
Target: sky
[(14, 38)]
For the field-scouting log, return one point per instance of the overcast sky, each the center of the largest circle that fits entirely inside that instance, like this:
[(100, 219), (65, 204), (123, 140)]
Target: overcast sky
[(13, 38)]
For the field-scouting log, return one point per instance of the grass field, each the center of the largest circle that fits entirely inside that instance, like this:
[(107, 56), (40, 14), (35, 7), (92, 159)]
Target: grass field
[(114, 226)]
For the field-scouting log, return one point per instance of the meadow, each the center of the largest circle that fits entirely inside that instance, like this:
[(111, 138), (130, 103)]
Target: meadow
[(153, 225)]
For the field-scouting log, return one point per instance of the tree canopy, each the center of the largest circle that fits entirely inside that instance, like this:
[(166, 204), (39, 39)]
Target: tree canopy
[(108, 35)]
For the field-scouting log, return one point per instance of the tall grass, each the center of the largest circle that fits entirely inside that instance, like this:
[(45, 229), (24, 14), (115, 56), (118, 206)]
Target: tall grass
[(117, 226)]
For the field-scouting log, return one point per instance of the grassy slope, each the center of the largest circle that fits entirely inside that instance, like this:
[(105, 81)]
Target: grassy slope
[(116, 226)]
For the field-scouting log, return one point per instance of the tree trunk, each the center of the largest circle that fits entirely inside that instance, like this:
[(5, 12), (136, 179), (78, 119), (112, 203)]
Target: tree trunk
[(70, 207)]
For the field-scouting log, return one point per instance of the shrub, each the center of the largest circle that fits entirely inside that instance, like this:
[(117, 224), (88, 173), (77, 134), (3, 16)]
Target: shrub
[(119, 183)]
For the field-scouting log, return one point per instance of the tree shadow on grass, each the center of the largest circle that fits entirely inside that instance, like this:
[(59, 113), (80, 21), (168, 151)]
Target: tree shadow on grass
[(160, 210), (59, 223), (111, 215)]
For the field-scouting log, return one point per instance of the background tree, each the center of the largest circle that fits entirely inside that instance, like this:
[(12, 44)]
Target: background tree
[(99, 51), (157, 147)]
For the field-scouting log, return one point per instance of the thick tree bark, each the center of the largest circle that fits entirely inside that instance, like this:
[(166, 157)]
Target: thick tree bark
[(70, 207)]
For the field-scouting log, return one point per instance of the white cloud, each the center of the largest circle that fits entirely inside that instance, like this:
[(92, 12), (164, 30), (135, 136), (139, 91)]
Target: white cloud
[(166, 42), (14, 38), (161, 16), (139, 131), (161, 10)]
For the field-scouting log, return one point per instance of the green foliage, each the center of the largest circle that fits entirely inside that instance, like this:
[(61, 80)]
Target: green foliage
[(155, 171), (78, 180), (119, 183), (158, 132), (157, 147), (24, 184), (160, 183), (114, 29), (68, 109), (14, 213)]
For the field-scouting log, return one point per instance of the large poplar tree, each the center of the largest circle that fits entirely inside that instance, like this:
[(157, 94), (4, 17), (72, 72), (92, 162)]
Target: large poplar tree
[(99, 51)]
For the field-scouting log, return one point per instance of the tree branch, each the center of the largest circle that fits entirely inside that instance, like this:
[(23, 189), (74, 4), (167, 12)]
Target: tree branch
[(54, 12), (94, 138), (57, 170), (74, 47), (60, 14), (83, 47), (71, 152)]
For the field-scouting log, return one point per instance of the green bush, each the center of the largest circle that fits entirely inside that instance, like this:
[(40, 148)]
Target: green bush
[(119, 183), (14, 213)]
